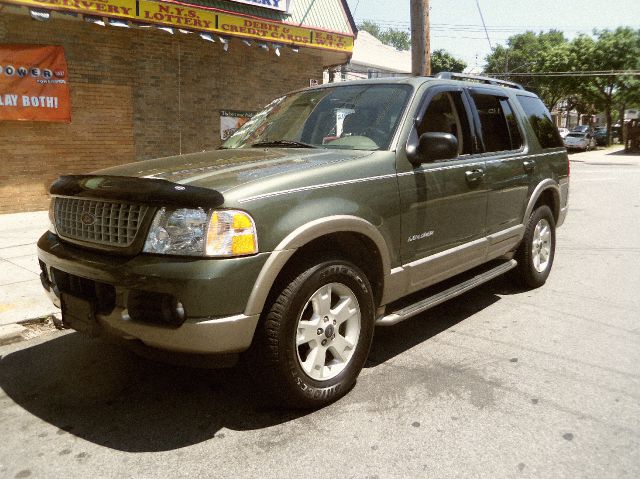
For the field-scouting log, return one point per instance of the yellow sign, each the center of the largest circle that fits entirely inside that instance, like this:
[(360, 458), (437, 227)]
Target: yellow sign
[(177, 16), (200, 19), (107, 8), (282, 33)]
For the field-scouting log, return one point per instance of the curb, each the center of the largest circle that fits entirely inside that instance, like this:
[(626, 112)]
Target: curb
[(27, 329), (12, 333)]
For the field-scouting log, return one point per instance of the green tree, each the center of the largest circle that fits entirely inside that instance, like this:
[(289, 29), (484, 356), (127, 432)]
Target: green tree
[(532, 52), (442, 61), (627, 96), (399, 39), (371, 27), (608, 50)]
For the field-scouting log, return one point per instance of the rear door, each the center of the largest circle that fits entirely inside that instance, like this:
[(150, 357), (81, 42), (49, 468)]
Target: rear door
[(508, 167)]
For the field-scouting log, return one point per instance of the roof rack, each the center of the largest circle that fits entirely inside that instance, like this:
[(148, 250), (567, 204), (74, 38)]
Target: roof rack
[(492, 81)]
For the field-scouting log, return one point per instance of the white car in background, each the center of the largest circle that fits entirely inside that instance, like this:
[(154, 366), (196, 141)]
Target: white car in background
[(563, 132), (576, 140)]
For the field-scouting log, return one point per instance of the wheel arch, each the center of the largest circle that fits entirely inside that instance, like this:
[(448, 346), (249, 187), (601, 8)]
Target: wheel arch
[(353, 238), (547, 193)]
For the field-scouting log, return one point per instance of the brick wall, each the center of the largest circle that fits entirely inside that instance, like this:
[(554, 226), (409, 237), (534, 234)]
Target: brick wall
[(135, 94)]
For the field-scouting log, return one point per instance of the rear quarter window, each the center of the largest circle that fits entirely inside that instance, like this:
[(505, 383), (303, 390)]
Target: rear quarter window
[(540, 120)]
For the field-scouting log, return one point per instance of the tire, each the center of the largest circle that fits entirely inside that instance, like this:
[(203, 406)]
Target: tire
[(537, 250), (314, 338)]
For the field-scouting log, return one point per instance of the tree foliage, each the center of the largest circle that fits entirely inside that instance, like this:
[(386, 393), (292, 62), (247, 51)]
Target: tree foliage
[(608, 50), (545, 52), (399, 39), (442, 61), (539, 53)]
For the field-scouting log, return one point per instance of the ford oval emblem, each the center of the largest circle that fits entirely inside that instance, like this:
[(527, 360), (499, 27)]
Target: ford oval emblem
[(87, 219)]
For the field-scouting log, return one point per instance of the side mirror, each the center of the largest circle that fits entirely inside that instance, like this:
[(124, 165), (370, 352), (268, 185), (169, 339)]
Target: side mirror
[(432, 146)]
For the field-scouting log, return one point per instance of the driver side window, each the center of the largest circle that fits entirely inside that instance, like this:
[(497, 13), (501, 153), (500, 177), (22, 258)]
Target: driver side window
[(446, 114)]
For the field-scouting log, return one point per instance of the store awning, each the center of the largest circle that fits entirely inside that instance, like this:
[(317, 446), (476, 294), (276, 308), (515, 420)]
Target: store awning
[(325, 25)]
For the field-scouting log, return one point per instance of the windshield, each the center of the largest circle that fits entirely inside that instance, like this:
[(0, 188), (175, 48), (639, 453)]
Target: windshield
[(577, 135), (355, 117)]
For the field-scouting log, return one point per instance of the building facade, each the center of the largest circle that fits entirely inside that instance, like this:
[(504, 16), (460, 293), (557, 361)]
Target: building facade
[(151, 79)]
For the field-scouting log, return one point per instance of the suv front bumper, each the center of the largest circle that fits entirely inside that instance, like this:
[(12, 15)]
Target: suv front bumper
[(213, 293)]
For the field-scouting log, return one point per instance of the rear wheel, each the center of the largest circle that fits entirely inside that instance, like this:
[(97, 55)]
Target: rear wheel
[(536, 252), (315, 337)]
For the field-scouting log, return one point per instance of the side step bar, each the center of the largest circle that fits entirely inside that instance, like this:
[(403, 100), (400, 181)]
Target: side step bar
[(407, 312)]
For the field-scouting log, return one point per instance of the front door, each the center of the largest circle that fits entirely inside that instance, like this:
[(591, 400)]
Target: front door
[(443, 202)]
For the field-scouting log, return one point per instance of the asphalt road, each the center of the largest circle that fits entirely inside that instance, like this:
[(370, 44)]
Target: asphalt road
[(499, 383)]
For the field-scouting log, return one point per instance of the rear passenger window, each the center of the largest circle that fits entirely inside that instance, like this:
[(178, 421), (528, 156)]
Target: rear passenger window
[(499, 127), (540, 120)]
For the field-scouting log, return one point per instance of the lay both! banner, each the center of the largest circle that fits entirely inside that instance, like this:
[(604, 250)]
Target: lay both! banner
[(34, 83)]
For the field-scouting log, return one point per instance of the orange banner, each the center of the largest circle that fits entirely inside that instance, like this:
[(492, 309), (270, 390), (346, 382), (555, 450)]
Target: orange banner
[(34, 83)]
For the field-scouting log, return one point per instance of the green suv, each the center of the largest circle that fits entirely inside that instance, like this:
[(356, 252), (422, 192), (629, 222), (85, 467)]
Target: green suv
[(335, 209)]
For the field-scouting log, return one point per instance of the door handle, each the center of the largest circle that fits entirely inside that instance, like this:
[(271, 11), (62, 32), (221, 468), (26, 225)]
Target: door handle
[(474, 175), (528, 165)]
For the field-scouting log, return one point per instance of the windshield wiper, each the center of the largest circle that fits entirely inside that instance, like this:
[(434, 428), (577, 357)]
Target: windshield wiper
[(283, 143)]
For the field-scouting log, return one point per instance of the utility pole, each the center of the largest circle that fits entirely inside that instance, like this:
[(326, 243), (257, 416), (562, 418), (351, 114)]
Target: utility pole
[(420, 47)]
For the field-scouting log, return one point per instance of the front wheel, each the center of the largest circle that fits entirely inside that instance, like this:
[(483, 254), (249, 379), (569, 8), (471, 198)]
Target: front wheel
[(536, 252), (315, 337)]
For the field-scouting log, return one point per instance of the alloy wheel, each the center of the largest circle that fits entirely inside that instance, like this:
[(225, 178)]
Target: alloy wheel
[(541, 245), (327, 332)]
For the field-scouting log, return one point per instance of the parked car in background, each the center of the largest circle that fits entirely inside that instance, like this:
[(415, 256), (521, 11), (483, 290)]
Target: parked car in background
[(616, 133), (576, 140), (563, 132), (600, 135), (583, 129)]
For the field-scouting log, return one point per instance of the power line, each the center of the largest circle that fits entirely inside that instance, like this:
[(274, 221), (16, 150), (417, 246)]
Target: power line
[(480, 28), (355, 9), (375, 72), (569, 74), (483, 24)]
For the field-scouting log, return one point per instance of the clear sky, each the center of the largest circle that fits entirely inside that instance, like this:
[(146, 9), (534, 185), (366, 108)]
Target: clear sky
[(456, 25)]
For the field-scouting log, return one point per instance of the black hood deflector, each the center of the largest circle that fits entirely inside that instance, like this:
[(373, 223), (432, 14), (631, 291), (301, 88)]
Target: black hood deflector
[(149, 191)]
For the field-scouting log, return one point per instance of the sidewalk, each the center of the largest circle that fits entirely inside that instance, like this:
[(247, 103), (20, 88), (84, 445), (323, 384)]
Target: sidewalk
[(612, 155), (21, 294)]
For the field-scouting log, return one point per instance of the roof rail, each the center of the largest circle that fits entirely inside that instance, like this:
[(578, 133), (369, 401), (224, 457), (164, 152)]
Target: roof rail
[(492, 81)]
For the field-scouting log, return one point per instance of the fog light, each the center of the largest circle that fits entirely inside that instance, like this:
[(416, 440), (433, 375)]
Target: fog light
[(155, 308)]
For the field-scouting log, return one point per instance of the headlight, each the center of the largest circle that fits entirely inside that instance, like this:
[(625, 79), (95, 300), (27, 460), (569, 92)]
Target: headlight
[(195, 232)]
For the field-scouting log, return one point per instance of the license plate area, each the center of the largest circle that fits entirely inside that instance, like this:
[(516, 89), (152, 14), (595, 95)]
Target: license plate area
[(79, 314)]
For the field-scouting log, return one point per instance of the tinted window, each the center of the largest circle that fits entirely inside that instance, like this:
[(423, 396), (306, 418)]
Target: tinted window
[(512, 124), (540, 120), (446, 114), (499, 129)]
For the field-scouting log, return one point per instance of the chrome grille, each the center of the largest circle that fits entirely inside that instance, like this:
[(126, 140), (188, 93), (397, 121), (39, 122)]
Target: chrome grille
[(103, 222)]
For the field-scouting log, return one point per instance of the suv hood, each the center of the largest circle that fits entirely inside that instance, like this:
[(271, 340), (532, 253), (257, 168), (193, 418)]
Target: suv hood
[(225, 169)]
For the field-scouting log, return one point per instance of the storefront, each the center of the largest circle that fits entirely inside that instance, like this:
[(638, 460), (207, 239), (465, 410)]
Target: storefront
[(88, 84)]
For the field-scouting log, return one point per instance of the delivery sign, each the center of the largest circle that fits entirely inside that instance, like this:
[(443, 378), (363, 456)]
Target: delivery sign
[(34, 83)]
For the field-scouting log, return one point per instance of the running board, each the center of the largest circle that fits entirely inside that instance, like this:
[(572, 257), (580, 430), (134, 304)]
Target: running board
[(431, 301)]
